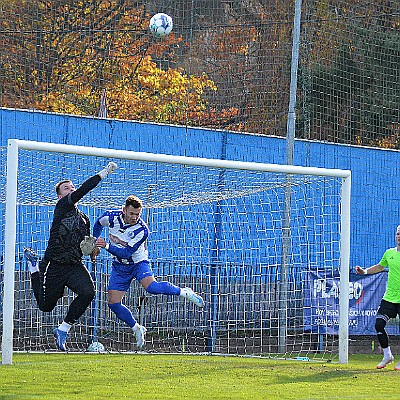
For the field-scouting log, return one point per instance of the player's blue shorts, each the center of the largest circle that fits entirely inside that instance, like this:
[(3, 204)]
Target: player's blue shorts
[(122, 274)]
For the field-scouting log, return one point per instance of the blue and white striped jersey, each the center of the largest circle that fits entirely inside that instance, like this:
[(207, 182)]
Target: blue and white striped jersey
[(127, 242)]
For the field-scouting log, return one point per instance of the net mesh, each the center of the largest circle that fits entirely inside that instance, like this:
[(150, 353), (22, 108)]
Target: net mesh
[(218, 231), (226, 65)]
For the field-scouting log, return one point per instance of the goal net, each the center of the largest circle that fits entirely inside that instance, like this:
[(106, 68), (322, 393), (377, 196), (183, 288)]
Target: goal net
[(246, 236)]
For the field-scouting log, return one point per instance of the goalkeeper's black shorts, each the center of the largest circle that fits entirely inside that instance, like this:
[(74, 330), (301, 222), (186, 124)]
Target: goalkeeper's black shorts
[(50, 282)]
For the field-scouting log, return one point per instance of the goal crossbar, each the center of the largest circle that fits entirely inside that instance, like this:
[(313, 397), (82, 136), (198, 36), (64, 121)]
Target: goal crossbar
[(171, 159)]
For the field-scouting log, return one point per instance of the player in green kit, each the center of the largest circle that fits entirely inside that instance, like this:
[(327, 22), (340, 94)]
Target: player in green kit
[(390, 304)]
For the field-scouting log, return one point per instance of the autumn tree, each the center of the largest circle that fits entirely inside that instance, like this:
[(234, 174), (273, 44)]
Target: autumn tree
[(71, 51), (349, 82), (243, 46), (227, 64)]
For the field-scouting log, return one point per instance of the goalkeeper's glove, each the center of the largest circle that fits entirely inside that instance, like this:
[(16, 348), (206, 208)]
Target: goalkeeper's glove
[(111, 167), (87, 245)]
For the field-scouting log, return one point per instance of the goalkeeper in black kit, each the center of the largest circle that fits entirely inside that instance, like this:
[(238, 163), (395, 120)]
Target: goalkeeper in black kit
[(62, 264)]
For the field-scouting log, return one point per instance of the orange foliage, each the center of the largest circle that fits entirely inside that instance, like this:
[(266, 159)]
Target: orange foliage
[(85, 47)]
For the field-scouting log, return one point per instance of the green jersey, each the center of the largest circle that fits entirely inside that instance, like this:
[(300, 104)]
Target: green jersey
[(391, 259)]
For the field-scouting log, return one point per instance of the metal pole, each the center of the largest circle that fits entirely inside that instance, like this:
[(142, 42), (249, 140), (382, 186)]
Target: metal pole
[(9, 255), (344, 272), (290, 135)]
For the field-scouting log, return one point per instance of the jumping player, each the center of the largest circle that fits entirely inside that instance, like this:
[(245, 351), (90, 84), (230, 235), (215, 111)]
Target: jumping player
[(127, 243), (62, 264)]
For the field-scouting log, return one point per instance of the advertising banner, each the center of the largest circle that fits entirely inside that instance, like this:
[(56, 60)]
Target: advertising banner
[(321, 303)]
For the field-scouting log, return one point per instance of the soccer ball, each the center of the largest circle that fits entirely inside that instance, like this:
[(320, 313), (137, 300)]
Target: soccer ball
[(96, 347), (161, 25)]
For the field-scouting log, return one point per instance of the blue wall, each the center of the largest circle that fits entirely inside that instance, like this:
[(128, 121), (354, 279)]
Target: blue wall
[(375, 172)]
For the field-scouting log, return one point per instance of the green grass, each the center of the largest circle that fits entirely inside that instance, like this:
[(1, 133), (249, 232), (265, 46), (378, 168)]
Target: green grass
[(142, 376)]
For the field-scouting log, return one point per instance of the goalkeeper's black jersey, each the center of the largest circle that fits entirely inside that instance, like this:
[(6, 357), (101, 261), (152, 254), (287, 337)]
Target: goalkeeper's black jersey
[(69, 226)]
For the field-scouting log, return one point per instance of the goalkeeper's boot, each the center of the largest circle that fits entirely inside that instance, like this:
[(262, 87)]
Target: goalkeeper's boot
[(61, 338), (140, 334), (189, 294), (385, 361), (32, 259)]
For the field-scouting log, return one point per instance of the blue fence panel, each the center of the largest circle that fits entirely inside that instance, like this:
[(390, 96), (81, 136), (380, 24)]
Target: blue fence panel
[(375, 172)]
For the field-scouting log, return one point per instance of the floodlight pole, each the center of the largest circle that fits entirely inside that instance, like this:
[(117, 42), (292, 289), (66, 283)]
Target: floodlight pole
[(290, 135)]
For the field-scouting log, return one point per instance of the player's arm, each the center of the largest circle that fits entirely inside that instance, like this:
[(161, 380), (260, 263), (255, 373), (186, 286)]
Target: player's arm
[(371, 270), (129, 249), (92, 182), (99, 224)]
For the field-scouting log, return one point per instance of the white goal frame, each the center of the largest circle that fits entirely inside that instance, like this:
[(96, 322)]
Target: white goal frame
[(14, 145)]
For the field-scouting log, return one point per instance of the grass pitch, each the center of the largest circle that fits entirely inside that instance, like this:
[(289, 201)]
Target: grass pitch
[(144, 376)]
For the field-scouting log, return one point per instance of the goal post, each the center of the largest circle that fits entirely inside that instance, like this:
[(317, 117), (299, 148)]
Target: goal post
[(216, 225)]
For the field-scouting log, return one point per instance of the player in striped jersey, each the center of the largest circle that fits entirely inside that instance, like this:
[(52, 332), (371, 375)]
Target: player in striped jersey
[(127, 243)]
